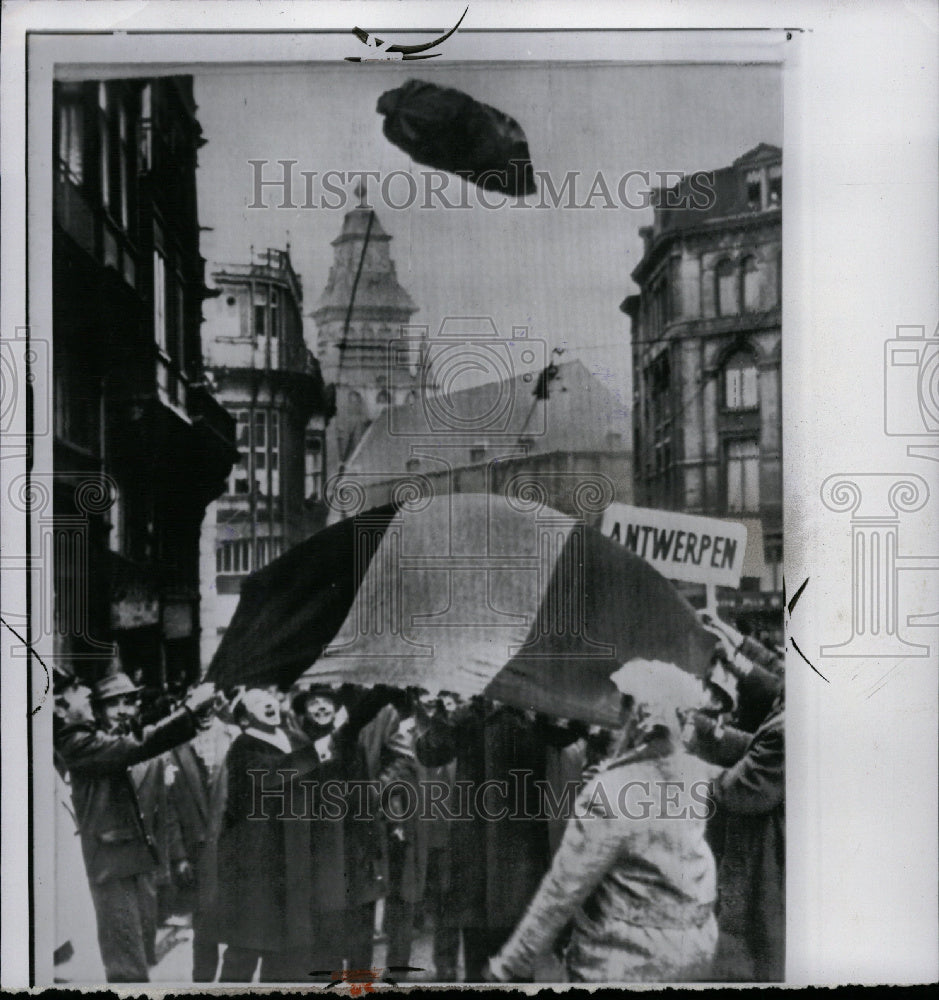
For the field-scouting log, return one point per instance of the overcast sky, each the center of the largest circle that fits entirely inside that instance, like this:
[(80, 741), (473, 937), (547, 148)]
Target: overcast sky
[(560, 272)]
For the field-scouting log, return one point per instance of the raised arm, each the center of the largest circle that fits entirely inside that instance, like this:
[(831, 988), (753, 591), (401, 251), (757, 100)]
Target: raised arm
[(86, 749)]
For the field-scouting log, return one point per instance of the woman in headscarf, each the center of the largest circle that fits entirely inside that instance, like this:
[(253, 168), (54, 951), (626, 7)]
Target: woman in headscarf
[(633, 873)]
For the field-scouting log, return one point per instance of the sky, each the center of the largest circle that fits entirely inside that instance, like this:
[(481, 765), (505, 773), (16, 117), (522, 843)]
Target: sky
[(562, 273)]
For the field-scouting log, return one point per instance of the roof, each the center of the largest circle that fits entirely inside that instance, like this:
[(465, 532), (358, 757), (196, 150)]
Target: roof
[(378, 287), (703, 198), (580, 414), (730, 196)]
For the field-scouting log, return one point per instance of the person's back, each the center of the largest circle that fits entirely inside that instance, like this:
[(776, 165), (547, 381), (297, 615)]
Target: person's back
[(651, 915)]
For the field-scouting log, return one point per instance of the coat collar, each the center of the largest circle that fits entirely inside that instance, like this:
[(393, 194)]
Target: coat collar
[(277, 739)]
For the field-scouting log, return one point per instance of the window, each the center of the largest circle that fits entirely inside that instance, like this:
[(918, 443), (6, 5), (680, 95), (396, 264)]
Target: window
[(238, 479), (275, 452), (775, 186), (741, 383), (268, 549), (71, 136), (114, 154), (234, 556), (751, 284), (674, 288), (104, 144), (159, 300), (115, 518), (260, 312), (754, 181), (145, 135), (259, 451), (743, 476), (726, 288), (122, 166), (258, 441), (275, 314), (77, 399), (313, 469), (658, 457), (179, 318), (657, 305)]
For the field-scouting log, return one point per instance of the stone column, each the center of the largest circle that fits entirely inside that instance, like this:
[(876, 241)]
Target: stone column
[(875, 502)]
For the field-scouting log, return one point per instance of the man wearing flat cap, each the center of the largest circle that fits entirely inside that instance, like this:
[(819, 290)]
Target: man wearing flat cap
[(120, 855)]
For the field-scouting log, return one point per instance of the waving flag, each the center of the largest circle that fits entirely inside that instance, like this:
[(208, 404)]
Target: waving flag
[(473, 593)]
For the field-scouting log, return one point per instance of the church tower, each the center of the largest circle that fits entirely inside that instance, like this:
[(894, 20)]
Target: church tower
[(362, 310)]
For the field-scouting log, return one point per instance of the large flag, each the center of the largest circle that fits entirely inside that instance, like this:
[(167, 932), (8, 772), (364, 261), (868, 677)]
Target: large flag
[(473, 593)]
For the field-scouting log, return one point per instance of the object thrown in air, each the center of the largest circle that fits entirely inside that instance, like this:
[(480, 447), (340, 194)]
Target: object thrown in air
[(449, 130)]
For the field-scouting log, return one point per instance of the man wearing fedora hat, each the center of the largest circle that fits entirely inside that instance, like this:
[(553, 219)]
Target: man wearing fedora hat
[(119, 852)]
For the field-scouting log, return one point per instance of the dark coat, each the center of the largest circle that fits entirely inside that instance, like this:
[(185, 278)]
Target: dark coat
[(389, 757), (195, 792), (265, 874), (750, 795), (161, 822), (752, 875), (115, 840), (499, 863), (188, 792), (355, 843)]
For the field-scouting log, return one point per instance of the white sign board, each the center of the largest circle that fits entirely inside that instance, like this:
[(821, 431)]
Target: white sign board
[(680, 546)]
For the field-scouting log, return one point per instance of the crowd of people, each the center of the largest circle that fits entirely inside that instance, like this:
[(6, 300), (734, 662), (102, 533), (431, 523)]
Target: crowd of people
[(279, 820)]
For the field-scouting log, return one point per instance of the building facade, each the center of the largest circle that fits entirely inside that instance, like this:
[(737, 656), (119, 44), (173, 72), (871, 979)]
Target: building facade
[(706, 350), (363, 310), (564, 443), (272, 386), (141, 446)]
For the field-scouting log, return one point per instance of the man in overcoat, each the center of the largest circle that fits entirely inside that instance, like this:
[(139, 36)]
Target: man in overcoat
[(498, 860), (195, 776), (120, 855), (751, 795)]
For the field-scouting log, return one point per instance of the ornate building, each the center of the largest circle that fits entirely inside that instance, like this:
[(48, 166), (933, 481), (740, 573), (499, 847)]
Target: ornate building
[(141, 446), (362, 310), (271, 384), (706, 343)]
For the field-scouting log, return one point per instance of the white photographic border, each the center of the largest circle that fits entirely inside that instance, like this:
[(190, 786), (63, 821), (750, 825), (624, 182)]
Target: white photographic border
[(860, 260)]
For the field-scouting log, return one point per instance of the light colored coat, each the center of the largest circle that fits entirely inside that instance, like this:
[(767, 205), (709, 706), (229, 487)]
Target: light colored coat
[(640, 891)]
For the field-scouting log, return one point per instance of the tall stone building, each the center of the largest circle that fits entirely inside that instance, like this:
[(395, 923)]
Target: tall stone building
[(706, 347), (141, 445), (271, 384), (362, 310)]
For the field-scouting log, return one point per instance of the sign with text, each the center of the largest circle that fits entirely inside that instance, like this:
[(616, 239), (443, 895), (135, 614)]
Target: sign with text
[(680, 546)]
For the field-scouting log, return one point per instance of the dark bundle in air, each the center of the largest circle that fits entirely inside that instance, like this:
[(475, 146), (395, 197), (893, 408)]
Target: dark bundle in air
[(446, 129)]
